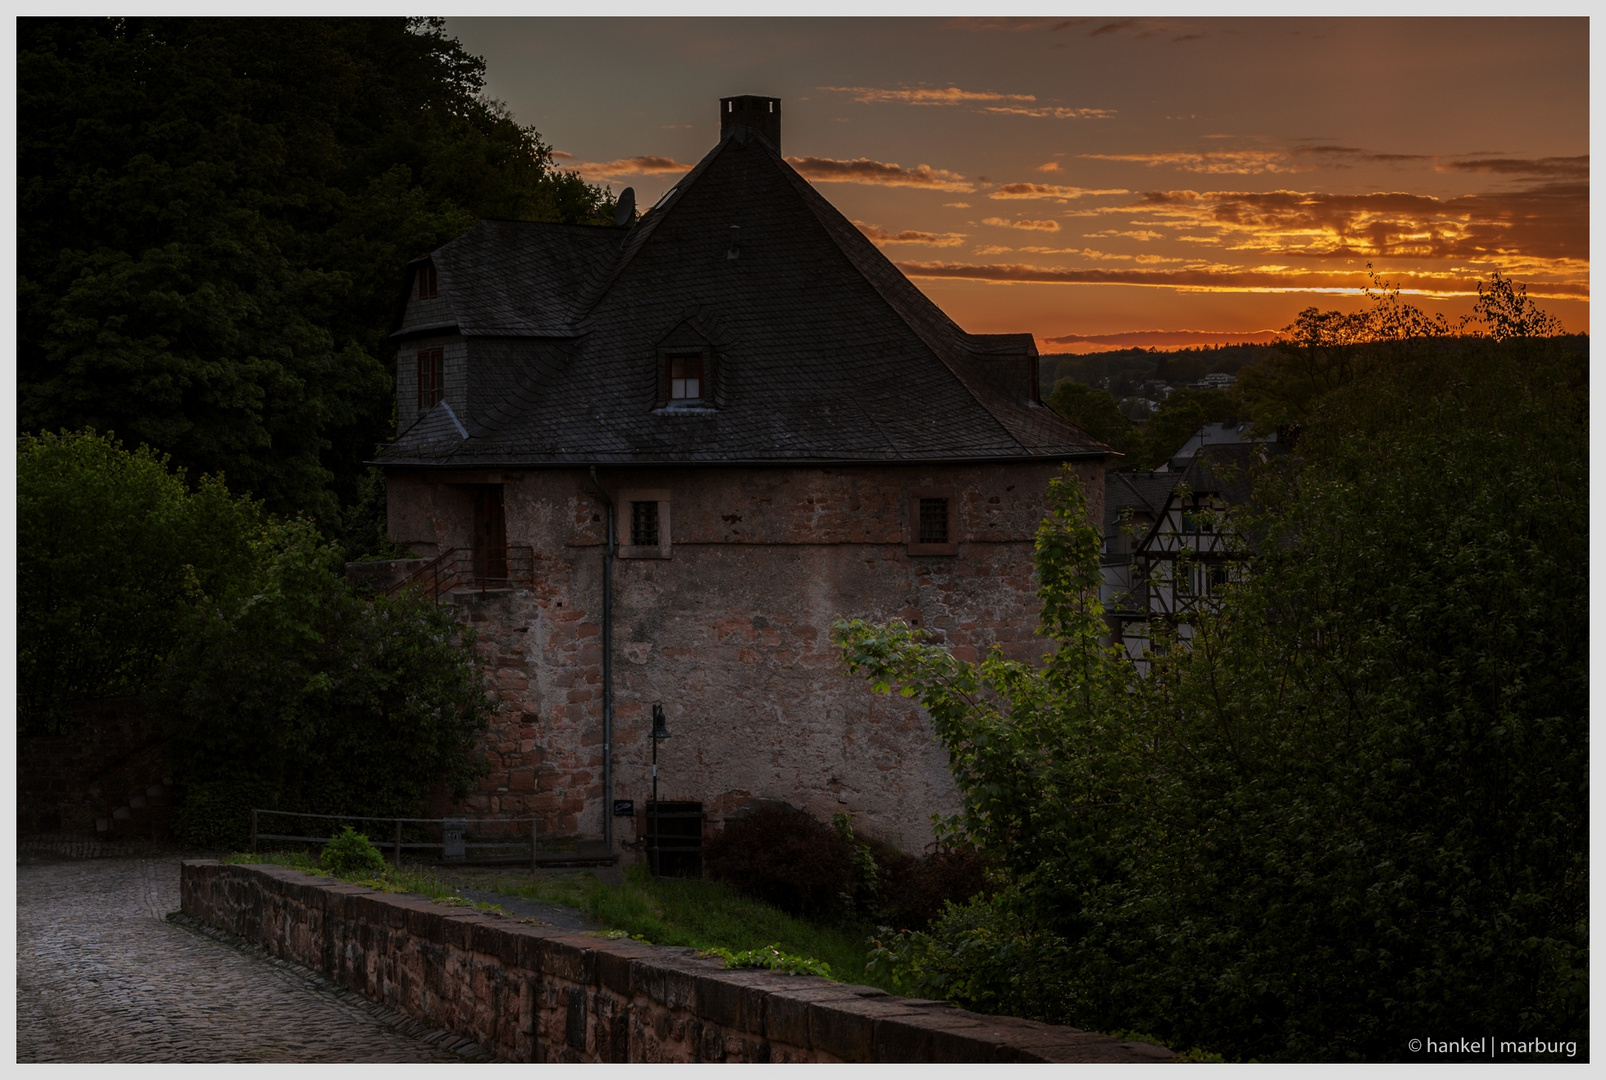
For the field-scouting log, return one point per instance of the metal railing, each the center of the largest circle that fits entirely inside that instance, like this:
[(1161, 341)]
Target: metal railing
[(463, 568), (453, 845)]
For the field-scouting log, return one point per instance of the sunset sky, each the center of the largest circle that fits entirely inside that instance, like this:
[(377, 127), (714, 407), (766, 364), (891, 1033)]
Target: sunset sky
[(1112, 182)]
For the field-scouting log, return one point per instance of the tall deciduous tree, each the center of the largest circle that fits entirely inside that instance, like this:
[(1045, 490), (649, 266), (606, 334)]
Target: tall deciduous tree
[(213, 218), (113, 552)]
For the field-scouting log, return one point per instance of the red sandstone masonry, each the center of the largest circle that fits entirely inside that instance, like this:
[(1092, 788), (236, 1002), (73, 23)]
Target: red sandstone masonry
[(533, 993)]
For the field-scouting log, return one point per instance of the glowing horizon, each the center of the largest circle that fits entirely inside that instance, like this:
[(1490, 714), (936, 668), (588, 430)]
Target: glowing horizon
[(1090, 180)]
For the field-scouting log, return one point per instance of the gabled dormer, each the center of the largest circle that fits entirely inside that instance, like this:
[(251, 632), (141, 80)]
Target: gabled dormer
[(687, 361)]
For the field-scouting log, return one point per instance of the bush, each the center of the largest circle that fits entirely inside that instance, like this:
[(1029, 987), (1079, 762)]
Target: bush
[(914, 891), (350, 854), (326, 701), (783, 857)]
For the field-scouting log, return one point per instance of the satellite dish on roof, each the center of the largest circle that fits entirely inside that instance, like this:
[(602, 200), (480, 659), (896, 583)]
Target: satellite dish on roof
[(625, 210)]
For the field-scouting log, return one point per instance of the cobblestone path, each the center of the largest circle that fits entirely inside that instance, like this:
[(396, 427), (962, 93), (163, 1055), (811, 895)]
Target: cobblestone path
[(103, 976)]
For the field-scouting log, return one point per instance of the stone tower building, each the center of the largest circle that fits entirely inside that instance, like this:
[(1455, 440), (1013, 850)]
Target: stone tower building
[(677, 451)]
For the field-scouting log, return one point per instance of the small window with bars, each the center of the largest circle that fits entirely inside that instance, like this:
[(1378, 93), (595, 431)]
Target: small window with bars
[(931, 524), (644, 524), (431, 377), (427, 282)]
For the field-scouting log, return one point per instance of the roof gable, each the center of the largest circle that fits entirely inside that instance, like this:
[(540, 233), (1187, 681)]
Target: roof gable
[(825, 352)]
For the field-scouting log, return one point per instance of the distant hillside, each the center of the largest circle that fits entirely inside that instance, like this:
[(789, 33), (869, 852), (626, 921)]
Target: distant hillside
[(1176, 367)]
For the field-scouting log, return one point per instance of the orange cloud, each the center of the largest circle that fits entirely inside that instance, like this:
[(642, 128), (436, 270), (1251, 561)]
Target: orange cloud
[(642, 165), (1546, 224), (890, 174), (1560, 168), (1057, 112), (1057, 192), (909, 236), (1005, 223), (1148, 339), (1242, 162), (951, 95), (1048, 166), (1272, 279)]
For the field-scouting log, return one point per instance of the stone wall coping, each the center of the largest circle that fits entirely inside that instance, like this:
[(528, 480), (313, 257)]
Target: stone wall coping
[(753, 1010)]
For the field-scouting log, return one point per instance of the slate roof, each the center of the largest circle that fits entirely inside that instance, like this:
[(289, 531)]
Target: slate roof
[(823, 351), (1212, 435), (1144, 492)]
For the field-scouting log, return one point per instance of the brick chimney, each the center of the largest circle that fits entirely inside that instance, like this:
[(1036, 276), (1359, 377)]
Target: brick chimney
[(761, 114)]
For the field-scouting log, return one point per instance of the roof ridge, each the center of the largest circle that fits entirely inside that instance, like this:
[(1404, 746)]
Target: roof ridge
[(642, 231), (896, 291)]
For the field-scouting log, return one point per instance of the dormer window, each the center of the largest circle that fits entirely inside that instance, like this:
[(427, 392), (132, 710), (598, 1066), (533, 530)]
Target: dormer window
[(428, 286), (685, 377)]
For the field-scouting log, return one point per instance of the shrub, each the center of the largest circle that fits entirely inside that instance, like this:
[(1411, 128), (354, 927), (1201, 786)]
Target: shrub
[(783, 857), (915, 891), (351, 854), (330, 702)]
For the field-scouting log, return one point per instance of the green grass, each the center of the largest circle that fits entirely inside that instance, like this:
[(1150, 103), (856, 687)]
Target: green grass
[(705, 915)]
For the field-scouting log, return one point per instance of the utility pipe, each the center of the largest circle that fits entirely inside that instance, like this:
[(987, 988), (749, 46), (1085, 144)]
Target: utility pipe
[(607, 668)]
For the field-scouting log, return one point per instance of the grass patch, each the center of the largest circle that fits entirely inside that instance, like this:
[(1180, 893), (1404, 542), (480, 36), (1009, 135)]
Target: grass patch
[(704, 915)]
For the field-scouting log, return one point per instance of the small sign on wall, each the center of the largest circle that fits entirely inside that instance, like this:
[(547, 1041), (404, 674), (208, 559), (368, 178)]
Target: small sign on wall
[(624, 808)]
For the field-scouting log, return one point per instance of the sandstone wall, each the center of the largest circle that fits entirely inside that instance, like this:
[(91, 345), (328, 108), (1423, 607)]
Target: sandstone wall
[(731, 633), (531, 993)]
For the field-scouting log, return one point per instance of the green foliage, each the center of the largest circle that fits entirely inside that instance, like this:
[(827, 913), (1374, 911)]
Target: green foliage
[(1180, 415), (327, 701), (113, 552), (984, 955), (704, 915), (213, 220), (1356, 808), (1327, 350), (772, 958), (350, 854), (1094, 411)]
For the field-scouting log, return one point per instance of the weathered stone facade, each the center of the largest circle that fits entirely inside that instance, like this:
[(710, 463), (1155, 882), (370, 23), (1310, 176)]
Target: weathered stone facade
[(731, 632), (788, 432)]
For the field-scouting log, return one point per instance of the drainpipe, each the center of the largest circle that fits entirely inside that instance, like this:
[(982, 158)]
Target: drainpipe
[(607, 670)]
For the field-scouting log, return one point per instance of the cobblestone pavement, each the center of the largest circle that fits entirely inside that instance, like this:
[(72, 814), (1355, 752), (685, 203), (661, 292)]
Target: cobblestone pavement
[(104, 976)]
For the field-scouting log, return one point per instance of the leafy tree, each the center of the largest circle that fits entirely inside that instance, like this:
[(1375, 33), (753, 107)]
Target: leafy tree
[(1180, 415), (1355, 809), (1095, 411), (213, 220), (301, 695), (278, 685), (1505, 312), (113, 552)]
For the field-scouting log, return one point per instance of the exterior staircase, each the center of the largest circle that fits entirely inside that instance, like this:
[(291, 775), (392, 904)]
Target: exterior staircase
[(464, 569)]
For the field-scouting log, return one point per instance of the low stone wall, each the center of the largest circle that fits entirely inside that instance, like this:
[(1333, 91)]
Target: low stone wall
[(528, 992)]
